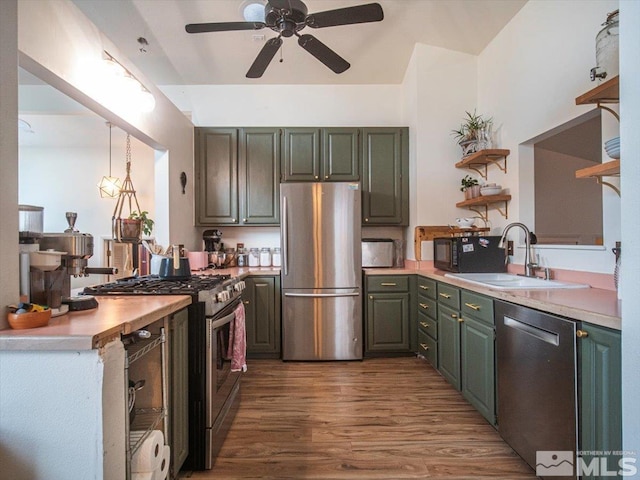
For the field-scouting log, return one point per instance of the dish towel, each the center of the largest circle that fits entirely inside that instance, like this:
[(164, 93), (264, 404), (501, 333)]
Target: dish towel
[(238, 341)]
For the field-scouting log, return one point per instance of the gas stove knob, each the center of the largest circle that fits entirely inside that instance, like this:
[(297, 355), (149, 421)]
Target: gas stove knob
[(222, 296), (238, 287)]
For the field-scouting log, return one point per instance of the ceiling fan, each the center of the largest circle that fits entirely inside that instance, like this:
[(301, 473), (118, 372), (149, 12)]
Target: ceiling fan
[(287, 18)]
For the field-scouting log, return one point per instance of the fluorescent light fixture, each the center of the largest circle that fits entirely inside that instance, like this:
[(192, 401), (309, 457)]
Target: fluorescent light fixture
[(253, 11)]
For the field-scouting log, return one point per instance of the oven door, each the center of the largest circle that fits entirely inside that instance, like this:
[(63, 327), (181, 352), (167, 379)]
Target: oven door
[(222, 384)]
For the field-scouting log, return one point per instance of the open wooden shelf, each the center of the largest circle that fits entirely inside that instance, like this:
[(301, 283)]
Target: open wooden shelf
[(480, 159), (476, 204), (607, 169), (606, 92)]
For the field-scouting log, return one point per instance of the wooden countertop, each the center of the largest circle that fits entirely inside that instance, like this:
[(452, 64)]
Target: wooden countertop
[(88, 329), (116, 315), (592, 305)]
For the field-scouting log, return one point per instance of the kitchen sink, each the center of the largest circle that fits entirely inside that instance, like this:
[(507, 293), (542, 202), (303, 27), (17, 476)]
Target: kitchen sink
[(508, 281)]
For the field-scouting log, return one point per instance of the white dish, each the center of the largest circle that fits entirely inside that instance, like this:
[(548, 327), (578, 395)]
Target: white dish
[(465, 222)]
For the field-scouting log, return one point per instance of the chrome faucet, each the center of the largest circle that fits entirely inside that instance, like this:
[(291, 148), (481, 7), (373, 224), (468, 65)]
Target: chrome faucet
[(529, 266)]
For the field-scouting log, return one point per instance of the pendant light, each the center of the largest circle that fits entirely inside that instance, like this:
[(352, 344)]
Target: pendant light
[(109, 186)]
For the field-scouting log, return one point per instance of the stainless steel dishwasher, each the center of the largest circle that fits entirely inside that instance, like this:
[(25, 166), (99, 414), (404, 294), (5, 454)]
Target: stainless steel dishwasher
[(537, 381)]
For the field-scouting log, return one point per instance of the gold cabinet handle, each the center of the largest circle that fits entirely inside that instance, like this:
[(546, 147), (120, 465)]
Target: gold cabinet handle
[(460, 320), (244, 220), (366, 219), (370, 297), (582, 333), (424, 287), (316, 177), (453, 315), (388, 284), (445, 295), (246, 302), (424, 324), (424, 346), (472, 306), (424, 305)]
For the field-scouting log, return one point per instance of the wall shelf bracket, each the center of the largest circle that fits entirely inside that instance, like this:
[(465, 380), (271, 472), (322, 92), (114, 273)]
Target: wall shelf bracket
[(610, 110), (610, 185)]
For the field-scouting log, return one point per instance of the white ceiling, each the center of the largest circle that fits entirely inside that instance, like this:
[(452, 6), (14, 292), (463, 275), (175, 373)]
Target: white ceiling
[(378, 52)]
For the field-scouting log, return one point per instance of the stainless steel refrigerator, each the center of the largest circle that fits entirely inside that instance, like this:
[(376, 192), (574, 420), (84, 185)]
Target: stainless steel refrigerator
[(321, 271)]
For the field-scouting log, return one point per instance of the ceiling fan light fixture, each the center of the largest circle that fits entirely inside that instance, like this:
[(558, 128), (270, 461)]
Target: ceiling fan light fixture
[(253, 11)]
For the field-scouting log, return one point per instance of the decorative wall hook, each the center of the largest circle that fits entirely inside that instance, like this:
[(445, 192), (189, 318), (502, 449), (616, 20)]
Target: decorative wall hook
[(183, 181)]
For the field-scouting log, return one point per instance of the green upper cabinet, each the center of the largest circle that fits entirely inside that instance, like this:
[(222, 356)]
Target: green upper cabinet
[(600, 391), (216, 166), (320, 154), (237, 175), (259, 169), (340, 155), (301, 155), (385, 178)]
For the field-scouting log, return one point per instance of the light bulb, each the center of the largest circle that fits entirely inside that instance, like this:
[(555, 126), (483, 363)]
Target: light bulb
[(146, 101), (109, 187)]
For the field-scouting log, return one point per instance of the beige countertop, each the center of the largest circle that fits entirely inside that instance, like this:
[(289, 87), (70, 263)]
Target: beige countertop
[(593, 305)]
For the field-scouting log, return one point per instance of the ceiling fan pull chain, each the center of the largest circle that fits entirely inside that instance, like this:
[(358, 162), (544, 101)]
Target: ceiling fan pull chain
[(281, 48)]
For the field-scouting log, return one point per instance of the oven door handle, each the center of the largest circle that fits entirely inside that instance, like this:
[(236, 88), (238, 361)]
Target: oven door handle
[(223, 321)]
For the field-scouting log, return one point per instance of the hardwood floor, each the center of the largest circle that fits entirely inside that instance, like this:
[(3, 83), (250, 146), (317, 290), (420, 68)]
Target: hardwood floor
[(376, 419)]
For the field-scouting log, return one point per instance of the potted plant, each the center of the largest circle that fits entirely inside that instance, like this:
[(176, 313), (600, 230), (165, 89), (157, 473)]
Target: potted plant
[(470, 186), (145, 222), (474, 134)]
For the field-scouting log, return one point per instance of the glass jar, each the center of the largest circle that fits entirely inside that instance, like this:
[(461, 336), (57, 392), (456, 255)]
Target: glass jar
[(254, 257), (242, 257), (277, 257), (607, 57), (265, 257)]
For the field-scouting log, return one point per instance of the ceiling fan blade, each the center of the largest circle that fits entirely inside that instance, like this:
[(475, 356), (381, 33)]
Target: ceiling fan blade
[(223, 27), (264, 58), (323, 53), (371, 12)]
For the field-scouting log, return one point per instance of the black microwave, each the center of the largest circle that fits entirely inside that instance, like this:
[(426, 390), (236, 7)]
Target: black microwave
[(469, 254)]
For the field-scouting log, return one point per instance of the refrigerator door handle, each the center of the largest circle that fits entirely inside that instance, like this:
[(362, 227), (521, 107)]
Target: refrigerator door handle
[(285, 237), (316, 295)]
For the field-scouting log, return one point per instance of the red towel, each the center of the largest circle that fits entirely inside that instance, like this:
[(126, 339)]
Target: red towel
[(238, 341)]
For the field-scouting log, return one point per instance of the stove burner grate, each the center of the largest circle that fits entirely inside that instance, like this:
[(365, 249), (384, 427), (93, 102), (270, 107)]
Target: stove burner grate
[(154, 285)]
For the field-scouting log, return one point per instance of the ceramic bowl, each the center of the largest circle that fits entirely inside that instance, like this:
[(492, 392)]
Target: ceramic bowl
[(465, 222), (19, 321), (490, 190)]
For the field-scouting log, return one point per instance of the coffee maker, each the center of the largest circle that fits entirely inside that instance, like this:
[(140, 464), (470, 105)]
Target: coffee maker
[(53, 287)]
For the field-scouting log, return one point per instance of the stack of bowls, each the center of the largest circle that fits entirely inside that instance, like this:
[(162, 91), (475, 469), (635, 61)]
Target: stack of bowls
[(490, 189), (612, 147)]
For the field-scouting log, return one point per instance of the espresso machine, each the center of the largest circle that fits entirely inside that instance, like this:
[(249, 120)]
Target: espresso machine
[(53, 287), (30, 225)]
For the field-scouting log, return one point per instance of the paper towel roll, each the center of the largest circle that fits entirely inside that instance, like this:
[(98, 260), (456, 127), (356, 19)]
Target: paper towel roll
[(163, 469), (148, 457), (142, 475)]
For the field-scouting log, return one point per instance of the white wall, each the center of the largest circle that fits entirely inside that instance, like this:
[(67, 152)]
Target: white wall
[(8, 154), (70, 443), (528, 78), (630, 171)]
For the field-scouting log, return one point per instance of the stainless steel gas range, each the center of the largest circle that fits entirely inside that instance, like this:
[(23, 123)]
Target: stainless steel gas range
[(213, 387)]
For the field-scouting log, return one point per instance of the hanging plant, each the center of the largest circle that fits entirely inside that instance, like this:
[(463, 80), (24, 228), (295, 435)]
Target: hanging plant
[(127, 229), (147, 223)]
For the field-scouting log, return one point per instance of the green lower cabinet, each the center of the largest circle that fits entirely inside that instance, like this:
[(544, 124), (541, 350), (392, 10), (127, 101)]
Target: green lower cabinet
[(600, 403), (388, 319), (478, 367), (179, 390), (449, 345), (428, 347), (261, 299)]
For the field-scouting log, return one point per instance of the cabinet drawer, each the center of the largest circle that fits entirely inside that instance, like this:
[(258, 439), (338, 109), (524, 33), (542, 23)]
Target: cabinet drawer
[(428, 325), (427, 306), (428, 347), (477, 306), (449, 295), (388, 283), (427, 287)]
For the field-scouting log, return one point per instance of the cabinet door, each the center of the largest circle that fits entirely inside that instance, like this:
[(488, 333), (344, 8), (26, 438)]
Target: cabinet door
[(478, 367), (385, 179), (388, 322), (340, 154), (216, 166), (179, 407), (600, 392), (259, 176), (449, 345), (301, 155), (261, 299)]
